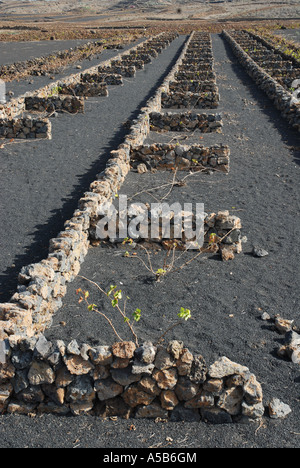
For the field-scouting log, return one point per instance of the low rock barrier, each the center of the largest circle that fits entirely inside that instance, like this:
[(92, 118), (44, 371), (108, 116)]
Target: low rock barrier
[(282, 99), (188, 89), (70, 104), (185, 122), (25, 128), (175, 156), (126, 380)]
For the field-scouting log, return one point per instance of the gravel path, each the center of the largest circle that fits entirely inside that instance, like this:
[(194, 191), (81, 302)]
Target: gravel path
[(226, 299)]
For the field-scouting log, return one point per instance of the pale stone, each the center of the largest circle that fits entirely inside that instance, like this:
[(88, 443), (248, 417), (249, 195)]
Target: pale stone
[(101, 355), (214, 386), (166, 379), (124, 349), (278, 409), (223, 367), (253, 391), (253, 411), (78, 366), (283, 325), (148, 385), (231, 400), (184, 363)]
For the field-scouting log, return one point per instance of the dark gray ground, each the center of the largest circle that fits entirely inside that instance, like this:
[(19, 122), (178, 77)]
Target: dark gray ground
[(18, 51), (226, 299)]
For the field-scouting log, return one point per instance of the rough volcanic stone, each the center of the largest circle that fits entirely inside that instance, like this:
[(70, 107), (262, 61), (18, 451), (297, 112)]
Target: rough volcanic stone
[(253, 411), (81, 389), (140, 368), (148, 385), (154, 410), (146, 352), (199, 370), (124, 349), (278, 409), (101, 355), (223, 367), (43, 348), (175, 347), (77, 365), (164, 360), (231, 400), (40, 373), (134, 396), (185, 389), (201, 400), (253, 391), (184, 363), (21, 360), (107, 389), (125, 376), (166, 379), (168, 399)]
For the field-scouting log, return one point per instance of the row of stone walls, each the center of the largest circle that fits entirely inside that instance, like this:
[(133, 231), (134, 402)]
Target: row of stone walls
[(272, 47), (282, 99), (125, 379), (277, 64), (135, 59), (15, 106), (51, 98), (194, 85), (43, 285)]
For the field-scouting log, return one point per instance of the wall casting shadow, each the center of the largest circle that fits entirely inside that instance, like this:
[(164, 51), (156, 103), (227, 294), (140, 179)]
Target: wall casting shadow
[(38, 249)]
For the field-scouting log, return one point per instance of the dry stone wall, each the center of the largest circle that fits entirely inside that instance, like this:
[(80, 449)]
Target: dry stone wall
[(126, 379), (176, 156), (36, 66), (185, 122), (282, 98), (70, 104), (25, 128), (188, 89), (74, 85)]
